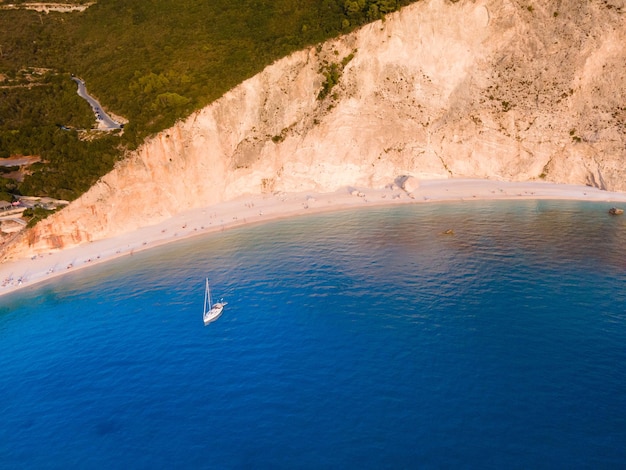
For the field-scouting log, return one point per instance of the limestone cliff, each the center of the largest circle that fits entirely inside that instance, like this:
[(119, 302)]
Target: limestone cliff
[(500, 89)]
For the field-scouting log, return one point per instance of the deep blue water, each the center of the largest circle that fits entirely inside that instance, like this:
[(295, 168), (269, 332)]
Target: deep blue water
[(360, 339)]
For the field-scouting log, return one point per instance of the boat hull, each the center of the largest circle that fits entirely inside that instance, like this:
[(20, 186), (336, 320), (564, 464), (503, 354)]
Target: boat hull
[(213, 314)]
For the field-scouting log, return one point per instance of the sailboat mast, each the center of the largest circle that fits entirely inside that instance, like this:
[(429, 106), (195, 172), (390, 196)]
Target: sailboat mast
[(206, 294)]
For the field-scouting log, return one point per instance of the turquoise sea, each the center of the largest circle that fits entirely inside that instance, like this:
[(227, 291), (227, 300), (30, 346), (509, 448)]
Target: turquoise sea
[(356, 339)]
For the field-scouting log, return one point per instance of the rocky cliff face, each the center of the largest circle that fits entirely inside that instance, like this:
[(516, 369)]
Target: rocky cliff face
[(500, 89)]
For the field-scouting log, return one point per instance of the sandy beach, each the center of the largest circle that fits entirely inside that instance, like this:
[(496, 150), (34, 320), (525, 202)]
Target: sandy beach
[(255, 209)]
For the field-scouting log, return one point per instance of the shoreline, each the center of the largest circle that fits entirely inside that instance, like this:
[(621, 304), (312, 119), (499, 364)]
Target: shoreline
[(254, 209)]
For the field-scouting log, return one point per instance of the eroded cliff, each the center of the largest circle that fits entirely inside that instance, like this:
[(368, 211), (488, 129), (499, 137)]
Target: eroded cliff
[(500, 89)]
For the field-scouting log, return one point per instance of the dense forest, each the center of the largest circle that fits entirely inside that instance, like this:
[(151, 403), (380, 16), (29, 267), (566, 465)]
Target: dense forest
[(151, 61)]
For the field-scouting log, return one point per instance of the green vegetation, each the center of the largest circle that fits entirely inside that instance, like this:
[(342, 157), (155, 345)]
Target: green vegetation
[(7, 187), (151, 61), (36, 214), (332, 73), (575, 138)]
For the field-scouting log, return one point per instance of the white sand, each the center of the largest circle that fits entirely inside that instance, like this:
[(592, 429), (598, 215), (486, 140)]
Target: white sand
[(260, 208)]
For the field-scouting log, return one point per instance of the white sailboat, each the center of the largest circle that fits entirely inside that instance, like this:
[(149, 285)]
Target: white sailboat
[(211, 311)]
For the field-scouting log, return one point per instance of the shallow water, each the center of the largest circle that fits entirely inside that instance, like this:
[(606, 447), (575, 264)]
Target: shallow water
[(363, 338)]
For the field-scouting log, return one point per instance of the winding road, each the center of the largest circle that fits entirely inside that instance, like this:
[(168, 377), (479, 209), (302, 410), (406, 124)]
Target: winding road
[(105, 121)]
